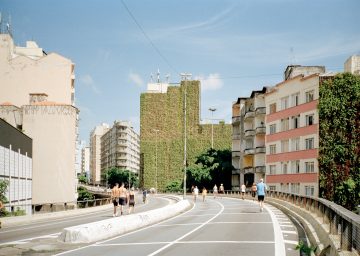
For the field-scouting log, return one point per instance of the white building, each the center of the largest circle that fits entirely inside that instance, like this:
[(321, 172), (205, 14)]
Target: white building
[(352, 65), (85, 161), (95, 152)]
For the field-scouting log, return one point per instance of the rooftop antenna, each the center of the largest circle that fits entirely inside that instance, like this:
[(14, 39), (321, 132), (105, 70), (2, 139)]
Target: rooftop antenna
[(151, 77), (167, 78), (158, 76), (0, 23)]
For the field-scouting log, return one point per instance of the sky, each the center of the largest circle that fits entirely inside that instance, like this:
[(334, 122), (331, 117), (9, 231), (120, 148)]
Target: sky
[(232, 46)]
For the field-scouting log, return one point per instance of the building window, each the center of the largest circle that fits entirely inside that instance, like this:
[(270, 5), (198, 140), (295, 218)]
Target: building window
[(284, 146), (272, 188), (309, 190), (284, 124), (296, 121), (272, 128), (284, 167), (309, 143), (309, 120), (309, 96), (272, 108), (284, 103), (309, 167), (272, 169), (295, 188), (295, 144), (272, 149), (295, 99), (295, 166)]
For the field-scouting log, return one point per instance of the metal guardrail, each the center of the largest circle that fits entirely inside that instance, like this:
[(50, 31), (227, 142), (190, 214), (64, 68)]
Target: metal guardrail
[(342, 222)]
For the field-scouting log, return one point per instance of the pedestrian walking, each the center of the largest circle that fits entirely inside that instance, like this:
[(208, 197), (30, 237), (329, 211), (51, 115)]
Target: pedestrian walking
[(261, 189), (196, 193), (204, 193), (215, 191), (243, 190), (221, 190), (144, 196), (115, 198), (122, 197), (253, 191), (131, 200)]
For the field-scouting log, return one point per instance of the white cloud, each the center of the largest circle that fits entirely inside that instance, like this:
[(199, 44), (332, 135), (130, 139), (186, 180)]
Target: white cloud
[(136, 79), (88, 81), (210, 83)]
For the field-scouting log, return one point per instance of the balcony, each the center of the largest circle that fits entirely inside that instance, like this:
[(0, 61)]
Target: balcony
[(260, 130), (236, 171), (236, 136), (260, 169), (249, 114), (249, 151), (260, 150), (260, 111), (236, 119), (236, 153), (249, 133), (249, 169)]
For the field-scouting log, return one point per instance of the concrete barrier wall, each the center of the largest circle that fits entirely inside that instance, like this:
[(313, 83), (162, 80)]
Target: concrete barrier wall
[(104, 229)]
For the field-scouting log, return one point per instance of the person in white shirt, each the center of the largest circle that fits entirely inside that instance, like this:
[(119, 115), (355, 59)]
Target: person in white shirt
[(243, 190), (196, 193)]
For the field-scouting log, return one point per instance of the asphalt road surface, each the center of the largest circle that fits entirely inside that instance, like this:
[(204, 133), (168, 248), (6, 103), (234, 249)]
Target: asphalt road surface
[(215, 227), (49, 227)]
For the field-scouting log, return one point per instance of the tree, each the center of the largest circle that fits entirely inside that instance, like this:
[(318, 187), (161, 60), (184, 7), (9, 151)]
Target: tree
[(116, 175), (339, 145), (82, 178), (3, 188), (84, 194), (174, 186)]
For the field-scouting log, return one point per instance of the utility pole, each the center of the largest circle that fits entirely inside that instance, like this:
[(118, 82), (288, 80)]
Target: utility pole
[(212, 126), (184, 77)]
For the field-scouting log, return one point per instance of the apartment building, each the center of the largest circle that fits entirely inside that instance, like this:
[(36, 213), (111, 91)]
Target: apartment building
[(95, 152), (120, 148), (37, 96), (85, 161), (249, 139), (16, 167), (292, 137)]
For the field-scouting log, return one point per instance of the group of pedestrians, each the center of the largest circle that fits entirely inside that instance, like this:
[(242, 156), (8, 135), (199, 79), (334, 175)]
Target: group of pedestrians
[(120, 197), (216, 192)]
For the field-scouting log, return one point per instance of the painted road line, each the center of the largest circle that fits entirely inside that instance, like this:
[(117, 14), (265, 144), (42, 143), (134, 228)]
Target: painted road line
[(279, 240)]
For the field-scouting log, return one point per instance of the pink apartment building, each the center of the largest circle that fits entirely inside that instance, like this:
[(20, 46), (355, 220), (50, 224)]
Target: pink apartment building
[(292, 132)]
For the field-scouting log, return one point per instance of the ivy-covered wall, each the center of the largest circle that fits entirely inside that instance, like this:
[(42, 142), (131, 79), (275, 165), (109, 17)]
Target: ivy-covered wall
[(165, 112)]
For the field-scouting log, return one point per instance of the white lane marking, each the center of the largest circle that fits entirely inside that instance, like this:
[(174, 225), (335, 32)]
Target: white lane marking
[(188, 242), (291, 242), (289, 232), (130, 233), (215, 223), (279, 240), (284, 225), (189, 233), (26, 240)]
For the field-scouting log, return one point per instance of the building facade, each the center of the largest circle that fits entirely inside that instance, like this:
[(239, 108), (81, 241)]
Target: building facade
[(352, 65), (95, 152), (162, 133), (120, 148), (16, 167), (249, 139), (41, 87), (292, 133), (85, 161)]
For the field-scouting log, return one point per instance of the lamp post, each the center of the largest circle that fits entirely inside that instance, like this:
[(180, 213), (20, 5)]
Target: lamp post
[(212, 126), (184, 77), (156, 167)]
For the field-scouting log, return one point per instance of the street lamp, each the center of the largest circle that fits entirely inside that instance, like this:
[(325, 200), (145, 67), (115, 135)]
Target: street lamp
[(184, 77), (156, 167), (212, 126)]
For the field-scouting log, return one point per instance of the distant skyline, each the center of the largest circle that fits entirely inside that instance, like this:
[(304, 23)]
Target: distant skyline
[(233, 47)]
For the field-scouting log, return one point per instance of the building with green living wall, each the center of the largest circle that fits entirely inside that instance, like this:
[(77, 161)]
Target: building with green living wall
[(162, 134)]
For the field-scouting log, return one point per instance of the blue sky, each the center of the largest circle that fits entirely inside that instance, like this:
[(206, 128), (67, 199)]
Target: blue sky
[(233, 46)]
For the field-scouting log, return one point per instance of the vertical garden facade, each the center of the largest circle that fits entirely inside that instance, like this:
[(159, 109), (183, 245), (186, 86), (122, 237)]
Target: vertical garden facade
[(162, 134)]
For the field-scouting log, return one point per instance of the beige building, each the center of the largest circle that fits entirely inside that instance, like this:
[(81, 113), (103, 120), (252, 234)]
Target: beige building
[(352, 65), (95, 152), (120, 148), (37, 96), (248, 147)]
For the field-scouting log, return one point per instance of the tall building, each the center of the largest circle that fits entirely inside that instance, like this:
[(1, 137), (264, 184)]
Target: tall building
[(162, 132), (248, 149), (41, 88), (16, 167), (352, 65), (292, 132), (95, 152), (120, 148), (85, 161)]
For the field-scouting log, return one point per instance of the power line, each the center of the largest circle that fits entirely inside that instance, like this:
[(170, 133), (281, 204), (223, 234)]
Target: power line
[(148, 38)]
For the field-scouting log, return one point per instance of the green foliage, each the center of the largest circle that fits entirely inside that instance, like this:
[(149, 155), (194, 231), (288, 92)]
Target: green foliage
[(174, 186), (165, 112), (3, 188), (304, 249), (82, 178), (116, 175), (84, 194), (339, 145)]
